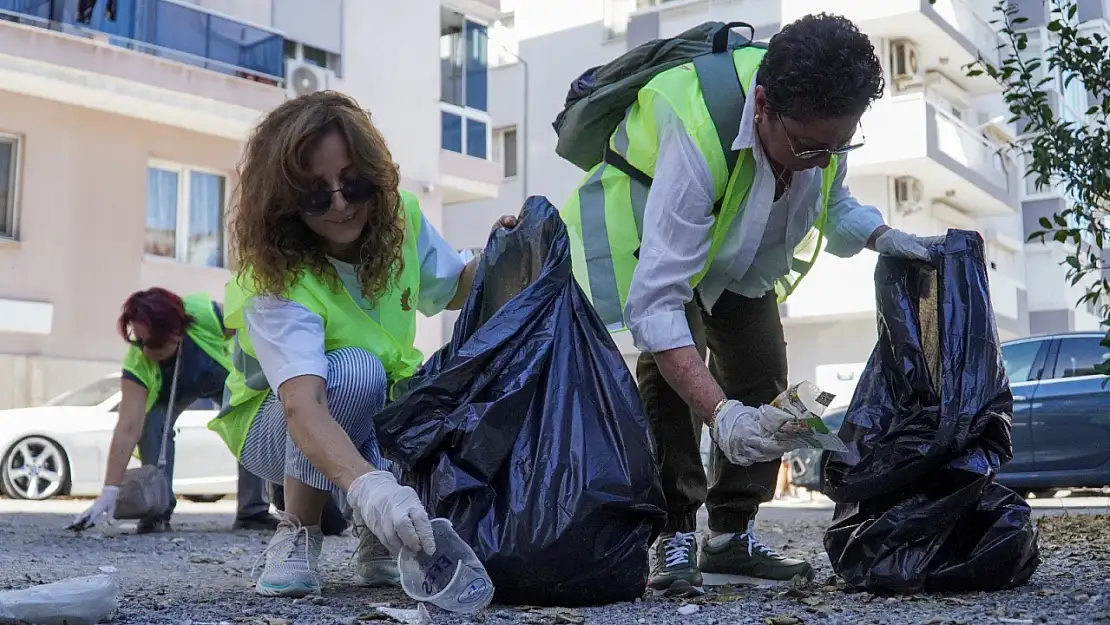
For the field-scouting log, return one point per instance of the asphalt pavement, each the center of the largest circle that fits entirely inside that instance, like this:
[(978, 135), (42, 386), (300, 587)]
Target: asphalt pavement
[(200, 574)]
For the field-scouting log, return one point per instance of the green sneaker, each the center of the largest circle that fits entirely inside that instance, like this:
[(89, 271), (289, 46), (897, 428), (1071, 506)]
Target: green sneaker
[(744, 559), (674, 572)]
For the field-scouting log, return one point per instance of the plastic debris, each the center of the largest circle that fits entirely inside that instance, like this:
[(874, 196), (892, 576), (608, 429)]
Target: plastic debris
[(75, 601), (419, 616)]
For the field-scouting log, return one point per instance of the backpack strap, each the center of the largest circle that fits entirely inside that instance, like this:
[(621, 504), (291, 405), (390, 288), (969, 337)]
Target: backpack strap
[(724, 97)]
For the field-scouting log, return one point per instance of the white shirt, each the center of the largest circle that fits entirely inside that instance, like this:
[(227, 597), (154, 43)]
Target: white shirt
[(678, 218), (288, 338)]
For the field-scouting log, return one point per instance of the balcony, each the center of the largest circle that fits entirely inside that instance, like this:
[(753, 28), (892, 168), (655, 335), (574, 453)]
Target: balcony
[(949, 34), (152, 59), (908, 135)]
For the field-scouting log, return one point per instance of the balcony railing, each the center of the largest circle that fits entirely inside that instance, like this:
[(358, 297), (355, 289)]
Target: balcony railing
[(964, 18), (969, 148), (166, 29)]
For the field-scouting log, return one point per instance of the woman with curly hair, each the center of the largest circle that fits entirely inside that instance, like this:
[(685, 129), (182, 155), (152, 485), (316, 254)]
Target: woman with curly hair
[(335, 262)]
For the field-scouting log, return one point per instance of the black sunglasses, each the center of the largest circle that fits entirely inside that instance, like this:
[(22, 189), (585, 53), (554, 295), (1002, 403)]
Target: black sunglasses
[(144, 343), (318, 201)]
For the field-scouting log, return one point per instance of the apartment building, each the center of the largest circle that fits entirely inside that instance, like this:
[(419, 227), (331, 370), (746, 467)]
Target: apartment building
[(931, 160), (122, 121)]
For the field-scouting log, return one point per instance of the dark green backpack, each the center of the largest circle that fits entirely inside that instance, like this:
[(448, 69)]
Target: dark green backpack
[(599, 99)]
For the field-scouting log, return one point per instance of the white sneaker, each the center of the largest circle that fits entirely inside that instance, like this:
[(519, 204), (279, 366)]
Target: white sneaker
[(292, 560), (374, 565)]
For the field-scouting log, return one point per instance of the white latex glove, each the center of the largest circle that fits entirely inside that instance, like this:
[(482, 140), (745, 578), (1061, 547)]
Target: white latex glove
[(392, 512), (103, 510), (749, 435), (905, 245)]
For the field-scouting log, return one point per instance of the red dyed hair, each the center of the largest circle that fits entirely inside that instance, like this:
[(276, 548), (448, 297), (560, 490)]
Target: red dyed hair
[(160, 310)]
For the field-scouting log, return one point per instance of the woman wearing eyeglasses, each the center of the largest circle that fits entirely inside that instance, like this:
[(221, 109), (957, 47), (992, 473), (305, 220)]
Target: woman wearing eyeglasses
[(169, 335), (336, 262), (702, 253)]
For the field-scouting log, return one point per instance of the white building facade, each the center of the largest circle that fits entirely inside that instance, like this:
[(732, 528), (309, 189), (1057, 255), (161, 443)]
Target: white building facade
[(931, 162), (121, 124)]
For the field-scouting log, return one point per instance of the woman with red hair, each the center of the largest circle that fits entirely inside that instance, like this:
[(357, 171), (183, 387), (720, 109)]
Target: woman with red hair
[(169, 335)]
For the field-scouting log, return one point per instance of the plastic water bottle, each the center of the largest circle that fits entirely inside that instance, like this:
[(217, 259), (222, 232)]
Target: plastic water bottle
[(452, 578)]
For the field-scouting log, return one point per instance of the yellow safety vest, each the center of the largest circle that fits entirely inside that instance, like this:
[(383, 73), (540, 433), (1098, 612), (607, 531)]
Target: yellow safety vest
[(604, 217), (392, 338)]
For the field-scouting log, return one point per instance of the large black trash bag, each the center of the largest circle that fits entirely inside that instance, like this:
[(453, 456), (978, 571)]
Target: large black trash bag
[(527, 432), (927, 431)]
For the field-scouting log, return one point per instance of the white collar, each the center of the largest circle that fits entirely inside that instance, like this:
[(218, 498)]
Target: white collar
[(746, 138)]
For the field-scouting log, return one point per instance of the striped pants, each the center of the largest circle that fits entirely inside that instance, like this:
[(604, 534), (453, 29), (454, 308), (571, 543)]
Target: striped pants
[(356, 391)]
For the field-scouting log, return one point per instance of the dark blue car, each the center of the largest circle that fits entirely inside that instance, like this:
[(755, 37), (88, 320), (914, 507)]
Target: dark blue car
[(1061, 426)]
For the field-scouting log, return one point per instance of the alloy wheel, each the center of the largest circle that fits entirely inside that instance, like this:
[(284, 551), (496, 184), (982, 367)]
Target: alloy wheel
[(35, 468)]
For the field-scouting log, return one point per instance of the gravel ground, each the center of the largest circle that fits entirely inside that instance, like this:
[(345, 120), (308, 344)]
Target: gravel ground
[(199, 574)]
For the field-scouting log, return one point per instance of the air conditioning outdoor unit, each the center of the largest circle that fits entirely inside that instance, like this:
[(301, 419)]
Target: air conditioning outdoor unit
[(302, 78), (909, 195), (904, 69)]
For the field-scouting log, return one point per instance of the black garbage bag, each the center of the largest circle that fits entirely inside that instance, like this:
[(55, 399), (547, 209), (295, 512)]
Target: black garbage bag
[(527, 432), (927, 431)]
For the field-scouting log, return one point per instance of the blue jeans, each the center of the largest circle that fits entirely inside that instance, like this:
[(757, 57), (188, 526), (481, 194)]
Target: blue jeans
[(252, 489)]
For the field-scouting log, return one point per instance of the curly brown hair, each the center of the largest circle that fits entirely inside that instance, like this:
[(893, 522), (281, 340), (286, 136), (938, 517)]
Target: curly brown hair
[(268, 236)]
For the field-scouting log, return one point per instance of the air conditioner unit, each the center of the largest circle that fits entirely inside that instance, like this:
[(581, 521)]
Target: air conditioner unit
[(909, 195), (903, 63), (302, 78)]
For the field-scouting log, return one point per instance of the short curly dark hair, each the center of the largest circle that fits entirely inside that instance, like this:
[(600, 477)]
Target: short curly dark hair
[(820, 67)]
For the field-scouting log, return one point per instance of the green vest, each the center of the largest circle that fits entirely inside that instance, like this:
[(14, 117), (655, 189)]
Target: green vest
[(205, 331), (604, 217), (392, 338)]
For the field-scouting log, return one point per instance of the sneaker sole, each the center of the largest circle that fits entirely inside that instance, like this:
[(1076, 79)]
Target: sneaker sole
[(679, 589), (378, 581), (723, 579), (295, 591)]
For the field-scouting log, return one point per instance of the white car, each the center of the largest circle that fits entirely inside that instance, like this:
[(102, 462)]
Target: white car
[(60, 448)]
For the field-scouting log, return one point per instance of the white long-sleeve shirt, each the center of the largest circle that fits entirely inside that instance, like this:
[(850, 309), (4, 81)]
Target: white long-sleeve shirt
[(678, 218), (288, 338)]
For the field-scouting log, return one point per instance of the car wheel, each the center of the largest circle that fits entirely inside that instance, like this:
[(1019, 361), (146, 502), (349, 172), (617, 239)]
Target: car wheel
[(34, 468), (202, 498)]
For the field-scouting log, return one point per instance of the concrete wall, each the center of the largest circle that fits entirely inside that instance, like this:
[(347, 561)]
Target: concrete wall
[(82, 206), (82, 221), (32, 380)]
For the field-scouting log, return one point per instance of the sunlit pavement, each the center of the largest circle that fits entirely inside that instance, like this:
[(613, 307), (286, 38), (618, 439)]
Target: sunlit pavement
[(806, 505)]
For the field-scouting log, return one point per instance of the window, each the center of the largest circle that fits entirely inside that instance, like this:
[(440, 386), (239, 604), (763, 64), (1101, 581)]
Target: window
[(1018, 359), (204, 403), (1080, 356), (617, 14), (185, 213), (89, 395), (9, 158), (505, 150), (464, 85)]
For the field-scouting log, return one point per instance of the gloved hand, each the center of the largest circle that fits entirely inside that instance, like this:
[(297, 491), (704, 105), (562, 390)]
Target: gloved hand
[(103, 510), (749, 435), (392, 512), (905, 245)]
